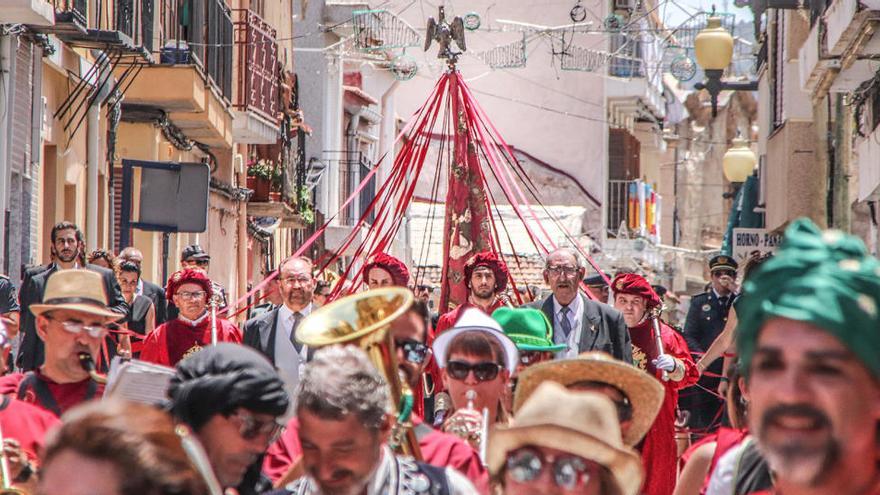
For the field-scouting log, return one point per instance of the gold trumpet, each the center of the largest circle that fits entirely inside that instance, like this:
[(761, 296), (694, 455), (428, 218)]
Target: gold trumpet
[(5, 477), (363, 320)]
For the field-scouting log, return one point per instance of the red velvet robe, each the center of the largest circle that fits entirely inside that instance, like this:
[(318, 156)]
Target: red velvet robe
[(65, 395), (26, 423), (438, 449), (176, 339), (659, 451), (448, 319)]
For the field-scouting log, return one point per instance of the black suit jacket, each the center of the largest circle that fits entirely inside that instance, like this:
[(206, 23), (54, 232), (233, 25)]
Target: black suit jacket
[(706, 318), (602, 327), (259, 333), (31, 353), (157, 295)]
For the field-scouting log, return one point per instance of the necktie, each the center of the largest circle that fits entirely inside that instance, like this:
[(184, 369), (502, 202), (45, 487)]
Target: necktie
[(565, 323), (295, 319), (723, 300)]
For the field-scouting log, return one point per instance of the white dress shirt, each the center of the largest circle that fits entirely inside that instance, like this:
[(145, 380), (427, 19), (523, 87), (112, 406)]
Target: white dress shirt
[(289, 362), (575, 313)]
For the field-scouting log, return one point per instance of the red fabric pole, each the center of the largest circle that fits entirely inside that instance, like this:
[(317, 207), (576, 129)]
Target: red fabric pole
[(466, 220)]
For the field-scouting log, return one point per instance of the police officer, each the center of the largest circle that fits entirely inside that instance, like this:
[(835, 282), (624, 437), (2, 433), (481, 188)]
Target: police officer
[(9, 314), (705, 320)]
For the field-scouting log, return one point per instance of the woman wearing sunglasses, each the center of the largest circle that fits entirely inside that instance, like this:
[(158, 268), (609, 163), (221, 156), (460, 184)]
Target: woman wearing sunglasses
[(476, 361), (563, 442)]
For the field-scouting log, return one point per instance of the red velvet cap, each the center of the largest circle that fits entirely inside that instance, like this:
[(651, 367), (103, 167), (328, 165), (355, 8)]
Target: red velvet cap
[(189, 276), (637, 285), (493, 262), (399, 272)]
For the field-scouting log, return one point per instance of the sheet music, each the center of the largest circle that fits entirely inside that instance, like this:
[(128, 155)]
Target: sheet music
[(138, 381)]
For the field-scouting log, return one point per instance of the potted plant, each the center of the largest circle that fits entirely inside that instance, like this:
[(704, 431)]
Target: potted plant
[(259, 178)]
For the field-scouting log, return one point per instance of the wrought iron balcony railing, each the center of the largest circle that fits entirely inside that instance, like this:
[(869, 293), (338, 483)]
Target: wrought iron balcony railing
[(258, 74), (71, 11), (198, 32)]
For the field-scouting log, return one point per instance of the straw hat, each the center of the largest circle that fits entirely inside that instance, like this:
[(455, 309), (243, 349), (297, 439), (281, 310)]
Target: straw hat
[(75, 290), (580, 423), (644, 392), (474, 319)]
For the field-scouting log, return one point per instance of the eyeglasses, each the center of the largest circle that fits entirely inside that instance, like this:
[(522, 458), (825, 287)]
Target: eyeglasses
[(191, 296), (250, 427), (570, 472), (296, 280), (483, 372), (568, 271), (413, 351), (77, 327)]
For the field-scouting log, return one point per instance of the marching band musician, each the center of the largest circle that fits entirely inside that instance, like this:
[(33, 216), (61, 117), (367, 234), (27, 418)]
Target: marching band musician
[(344, 428), (671, 364), (72, 320), (476, 360), (232, 399), (563, 442), (191, 290)]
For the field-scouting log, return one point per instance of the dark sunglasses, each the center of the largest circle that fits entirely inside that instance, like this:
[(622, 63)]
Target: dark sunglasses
[(483, 372), (570, 472), (413, 351), (250, 427)]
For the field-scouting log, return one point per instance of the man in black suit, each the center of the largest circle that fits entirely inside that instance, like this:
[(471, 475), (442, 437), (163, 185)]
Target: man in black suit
[(67, 249), (155, 292), (579, 322), (274, 333)]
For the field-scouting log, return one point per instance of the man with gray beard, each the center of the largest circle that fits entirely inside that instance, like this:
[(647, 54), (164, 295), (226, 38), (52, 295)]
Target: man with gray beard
[(809, 341)]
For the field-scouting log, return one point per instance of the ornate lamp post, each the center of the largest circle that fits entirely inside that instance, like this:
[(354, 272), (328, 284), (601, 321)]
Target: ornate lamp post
[(739, 161), (714, 50)]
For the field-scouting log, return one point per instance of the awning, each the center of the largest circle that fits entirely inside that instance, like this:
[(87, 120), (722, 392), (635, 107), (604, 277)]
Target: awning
[(743, 214)]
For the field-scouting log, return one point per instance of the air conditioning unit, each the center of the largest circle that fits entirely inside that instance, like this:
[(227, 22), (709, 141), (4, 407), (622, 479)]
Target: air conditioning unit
[(624, 5)]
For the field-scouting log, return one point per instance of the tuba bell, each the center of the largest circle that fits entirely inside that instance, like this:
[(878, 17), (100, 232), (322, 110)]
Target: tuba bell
[(363, 320)]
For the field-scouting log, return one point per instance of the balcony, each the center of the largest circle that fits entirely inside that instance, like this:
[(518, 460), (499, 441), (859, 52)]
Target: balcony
[(632, 210), (848, 29), (256, 105), (193, 79), (815, 70), (31, 12)]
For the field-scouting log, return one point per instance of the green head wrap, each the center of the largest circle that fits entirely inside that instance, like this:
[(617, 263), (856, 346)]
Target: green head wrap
[(826, 279)]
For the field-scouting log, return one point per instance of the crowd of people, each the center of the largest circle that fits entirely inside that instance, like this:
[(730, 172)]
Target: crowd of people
[(771, 387)]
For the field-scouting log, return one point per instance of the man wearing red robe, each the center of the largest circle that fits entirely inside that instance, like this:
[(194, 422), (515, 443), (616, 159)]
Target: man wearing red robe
[(190, 289), (672, 365), (72, 323), (486, 276)]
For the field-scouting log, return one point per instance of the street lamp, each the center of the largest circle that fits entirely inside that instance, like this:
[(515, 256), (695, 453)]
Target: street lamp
[(714, 50), (739, 161)]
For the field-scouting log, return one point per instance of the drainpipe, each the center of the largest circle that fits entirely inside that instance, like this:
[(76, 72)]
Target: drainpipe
[(5, 130), (93, 143)]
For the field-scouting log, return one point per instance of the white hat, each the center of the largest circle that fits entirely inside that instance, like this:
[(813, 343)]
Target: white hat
[(473, 319)]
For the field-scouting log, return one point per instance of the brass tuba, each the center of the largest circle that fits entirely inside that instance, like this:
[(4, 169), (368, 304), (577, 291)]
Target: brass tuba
[(363, 320)]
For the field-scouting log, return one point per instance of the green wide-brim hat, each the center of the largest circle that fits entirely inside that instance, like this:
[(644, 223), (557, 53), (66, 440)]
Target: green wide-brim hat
[(826, 279), (528, 328)]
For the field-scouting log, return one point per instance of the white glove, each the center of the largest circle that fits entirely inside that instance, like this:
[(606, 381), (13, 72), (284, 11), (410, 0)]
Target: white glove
[(665, 362)]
